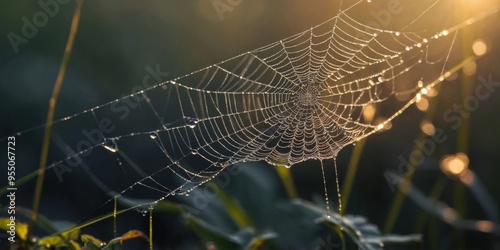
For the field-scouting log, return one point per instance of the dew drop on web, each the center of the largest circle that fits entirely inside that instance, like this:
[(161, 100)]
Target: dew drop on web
[(110, 145), (153, 135), (191, 122)]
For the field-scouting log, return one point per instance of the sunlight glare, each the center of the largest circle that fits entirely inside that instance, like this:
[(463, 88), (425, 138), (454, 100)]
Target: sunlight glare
[(422, 104), (455, 165), (428, 128), (369, 113), (470, 69)]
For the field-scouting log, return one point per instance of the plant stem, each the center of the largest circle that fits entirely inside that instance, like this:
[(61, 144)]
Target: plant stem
[(397, 203), (351, 172), (434, 195), (467, 89), (50, 116), (285, 175)]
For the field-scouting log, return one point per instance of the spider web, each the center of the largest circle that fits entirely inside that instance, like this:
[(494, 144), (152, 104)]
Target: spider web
[(303, 97)]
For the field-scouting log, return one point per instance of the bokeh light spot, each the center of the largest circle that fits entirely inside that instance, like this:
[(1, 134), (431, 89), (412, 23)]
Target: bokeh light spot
[(479, 47)]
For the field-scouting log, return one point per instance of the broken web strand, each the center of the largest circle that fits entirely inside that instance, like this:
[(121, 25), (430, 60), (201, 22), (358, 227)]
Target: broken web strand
[(339, 196), (326, 190), (115, 203), (151, 228)]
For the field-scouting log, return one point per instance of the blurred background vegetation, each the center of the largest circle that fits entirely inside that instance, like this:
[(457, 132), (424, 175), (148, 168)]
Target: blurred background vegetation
[(118, 41)]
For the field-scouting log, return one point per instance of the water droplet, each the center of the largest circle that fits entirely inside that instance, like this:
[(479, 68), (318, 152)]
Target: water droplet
[(153, 135), (408, 48), (397, 33), (194, 152), (371, 82), (191, 122), (419, 45), (418, 97), (288, 165), (110, 144), (164, 86)]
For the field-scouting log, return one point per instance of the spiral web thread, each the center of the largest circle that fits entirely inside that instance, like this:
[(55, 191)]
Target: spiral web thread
[(303, 97)]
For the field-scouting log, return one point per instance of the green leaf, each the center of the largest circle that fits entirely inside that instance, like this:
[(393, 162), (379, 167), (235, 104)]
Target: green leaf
[(75, 245), (364, 234), (42, 221), (132, 234), (62, 239), (286, 178), (259, 241), (221, 239), (91, 241), (232, 207), (21, 228), (91, 246)]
